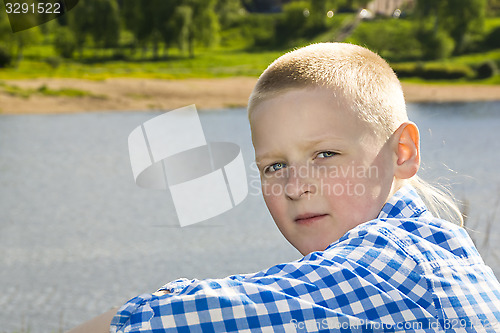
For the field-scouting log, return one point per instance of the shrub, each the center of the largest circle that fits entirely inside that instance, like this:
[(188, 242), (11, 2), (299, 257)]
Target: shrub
[(258, 29), (392, 39), (53, 62), (446, 72), (436, 71), (492, 40), (486, 70), (435, 45), (405, 70), (65, 42), (293, 22), (5, 57)]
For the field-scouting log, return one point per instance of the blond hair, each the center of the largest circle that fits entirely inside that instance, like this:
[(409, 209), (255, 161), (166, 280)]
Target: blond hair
[(355, 74)]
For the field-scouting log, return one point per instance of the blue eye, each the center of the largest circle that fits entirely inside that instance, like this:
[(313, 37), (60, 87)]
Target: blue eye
[(275, 167), (326, 154)]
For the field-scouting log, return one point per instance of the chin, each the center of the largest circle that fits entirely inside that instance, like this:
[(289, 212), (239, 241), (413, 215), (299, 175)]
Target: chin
[(305, 250)]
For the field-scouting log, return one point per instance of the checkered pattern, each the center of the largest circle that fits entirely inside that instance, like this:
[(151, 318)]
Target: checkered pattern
[(404, 271)]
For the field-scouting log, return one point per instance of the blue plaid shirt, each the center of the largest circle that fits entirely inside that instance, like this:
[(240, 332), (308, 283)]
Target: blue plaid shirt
[(404, 271)]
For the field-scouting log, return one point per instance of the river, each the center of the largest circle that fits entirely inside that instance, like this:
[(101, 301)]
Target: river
[(77, 236)]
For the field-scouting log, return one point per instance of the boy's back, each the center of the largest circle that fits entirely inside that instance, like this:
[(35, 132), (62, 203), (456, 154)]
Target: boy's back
[(403, 271)]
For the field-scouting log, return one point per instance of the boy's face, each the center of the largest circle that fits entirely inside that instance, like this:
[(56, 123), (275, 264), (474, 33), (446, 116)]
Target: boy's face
[(323, 170)]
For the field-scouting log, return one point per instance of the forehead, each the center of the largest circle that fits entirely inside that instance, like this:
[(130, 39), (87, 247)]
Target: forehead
[(305, 111), (302, 118)]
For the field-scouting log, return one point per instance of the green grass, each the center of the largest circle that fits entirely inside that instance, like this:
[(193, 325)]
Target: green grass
[(218, 63)]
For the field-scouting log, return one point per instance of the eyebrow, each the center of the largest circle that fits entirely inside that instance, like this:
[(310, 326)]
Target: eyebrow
[(304, 145)]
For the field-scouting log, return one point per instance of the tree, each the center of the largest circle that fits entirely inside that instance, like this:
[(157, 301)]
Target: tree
[(105, 27), (131, 19), (183, 19), (204, 27), (318, 13), (6, 39), (166, 24), (293, 22), (64, 42), (352, 4), (80, 23), (151, 22), (228, 11), (493, 8), (464, 17), (97, 19), (456, 18)]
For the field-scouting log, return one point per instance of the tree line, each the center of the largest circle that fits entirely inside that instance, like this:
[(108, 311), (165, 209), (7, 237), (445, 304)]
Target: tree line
[(140, 26)]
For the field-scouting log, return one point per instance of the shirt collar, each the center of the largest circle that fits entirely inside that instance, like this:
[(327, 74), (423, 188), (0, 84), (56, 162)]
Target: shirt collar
[(405, 203)]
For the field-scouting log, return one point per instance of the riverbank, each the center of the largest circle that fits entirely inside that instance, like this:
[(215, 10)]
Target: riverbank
[(58, 95)]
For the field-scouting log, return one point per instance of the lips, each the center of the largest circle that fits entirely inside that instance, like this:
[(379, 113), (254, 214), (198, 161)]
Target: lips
[(309, 218)]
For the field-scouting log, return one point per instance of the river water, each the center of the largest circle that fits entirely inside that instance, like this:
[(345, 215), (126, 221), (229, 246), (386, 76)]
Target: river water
[(77, 236)]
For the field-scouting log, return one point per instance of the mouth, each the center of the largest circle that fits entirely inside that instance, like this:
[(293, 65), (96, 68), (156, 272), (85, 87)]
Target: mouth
[(309, 218)]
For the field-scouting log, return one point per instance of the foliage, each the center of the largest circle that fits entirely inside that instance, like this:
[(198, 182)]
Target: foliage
[(105, 22), (229, 12), (486, 70), (105, 31), (257, 30), (53, 62), (65, 42), (351, 5), (457, 18), (393, 39), (5, 57), (292, 23), (492, 40), (184, 20), (205, 26), (433, 71), (435, 44), (493, 8)]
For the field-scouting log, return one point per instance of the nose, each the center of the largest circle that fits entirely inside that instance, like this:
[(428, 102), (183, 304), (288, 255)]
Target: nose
[(299, 183)]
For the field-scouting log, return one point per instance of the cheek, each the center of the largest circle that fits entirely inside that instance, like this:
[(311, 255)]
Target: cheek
[(356, 194), (273, 197), (349, 180)]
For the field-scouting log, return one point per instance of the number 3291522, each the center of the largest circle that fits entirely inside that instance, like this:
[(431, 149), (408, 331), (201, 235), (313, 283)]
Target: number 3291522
[(32, 8)]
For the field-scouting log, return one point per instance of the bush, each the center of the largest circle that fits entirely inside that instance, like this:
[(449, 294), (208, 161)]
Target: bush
[(53, 62), (293, 22), (406, 70), (486, 70), (65, 42), (446, 72), (435, 45), (392, 39), (258, 29), (435, 71), (5, 57), (492, 40)]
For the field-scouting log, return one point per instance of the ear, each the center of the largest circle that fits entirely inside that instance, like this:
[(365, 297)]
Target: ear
[(407, 149)]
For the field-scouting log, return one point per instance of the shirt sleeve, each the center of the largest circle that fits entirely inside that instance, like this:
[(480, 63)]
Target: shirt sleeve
[(315, 293)]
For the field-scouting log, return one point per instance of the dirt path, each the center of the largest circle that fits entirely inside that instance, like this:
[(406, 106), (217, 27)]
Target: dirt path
[(147, 94)]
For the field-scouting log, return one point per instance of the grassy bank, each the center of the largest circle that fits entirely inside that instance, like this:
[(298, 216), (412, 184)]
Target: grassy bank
[(221, 64), (207, 64)]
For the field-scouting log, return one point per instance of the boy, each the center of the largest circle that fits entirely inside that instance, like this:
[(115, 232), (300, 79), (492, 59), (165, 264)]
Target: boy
[(338, 160)]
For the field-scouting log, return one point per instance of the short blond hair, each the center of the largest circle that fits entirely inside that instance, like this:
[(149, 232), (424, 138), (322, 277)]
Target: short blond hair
[(363, 79), (351, 72)]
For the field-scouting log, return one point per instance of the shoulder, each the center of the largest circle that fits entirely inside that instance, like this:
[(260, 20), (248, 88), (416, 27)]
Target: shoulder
[(422, 238)]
